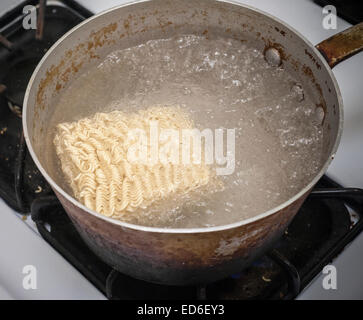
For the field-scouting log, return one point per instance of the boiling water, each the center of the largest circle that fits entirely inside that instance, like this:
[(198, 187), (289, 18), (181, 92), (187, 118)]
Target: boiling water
[(222, 84)]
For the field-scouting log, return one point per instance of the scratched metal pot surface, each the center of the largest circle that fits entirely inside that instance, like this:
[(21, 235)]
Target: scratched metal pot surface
[(162, 255)]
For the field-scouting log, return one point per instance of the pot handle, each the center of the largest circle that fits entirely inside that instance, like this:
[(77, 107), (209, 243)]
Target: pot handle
[(342, 45)]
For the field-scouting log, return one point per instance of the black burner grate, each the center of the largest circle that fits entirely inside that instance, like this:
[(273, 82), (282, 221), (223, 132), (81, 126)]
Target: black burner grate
[(21, 182), (321, 229), (318, 233)]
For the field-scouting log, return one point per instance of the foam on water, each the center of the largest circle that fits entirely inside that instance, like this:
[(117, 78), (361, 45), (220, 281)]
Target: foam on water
[(222, 84)]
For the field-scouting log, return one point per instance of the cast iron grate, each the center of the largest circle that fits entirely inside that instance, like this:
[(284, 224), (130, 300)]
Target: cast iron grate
[(321, 229), (21, 181)]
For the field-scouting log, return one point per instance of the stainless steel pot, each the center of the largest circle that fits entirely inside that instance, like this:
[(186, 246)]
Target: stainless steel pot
[(183, 256)]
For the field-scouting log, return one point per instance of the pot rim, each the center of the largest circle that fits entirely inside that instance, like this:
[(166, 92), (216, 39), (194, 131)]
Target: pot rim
[(240, 223)]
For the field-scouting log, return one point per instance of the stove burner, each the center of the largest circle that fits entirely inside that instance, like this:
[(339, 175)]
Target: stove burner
[(17, 79), (20, 180), (320, 230)]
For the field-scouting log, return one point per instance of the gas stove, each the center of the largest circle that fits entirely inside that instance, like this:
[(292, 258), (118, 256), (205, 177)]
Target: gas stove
[(36, 231)]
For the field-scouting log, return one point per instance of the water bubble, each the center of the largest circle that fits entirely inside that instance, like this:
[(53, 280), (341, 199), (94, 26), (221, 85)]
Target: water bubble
[(273, 57)]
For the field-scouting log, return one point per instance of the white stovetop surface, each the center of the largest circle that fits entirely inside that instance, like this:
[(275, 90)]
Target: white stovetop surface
[(57, 279)]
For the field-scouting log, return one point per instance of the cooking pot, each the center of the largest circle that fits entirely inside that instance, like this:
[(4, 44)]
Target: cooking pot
[(193, 255)]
